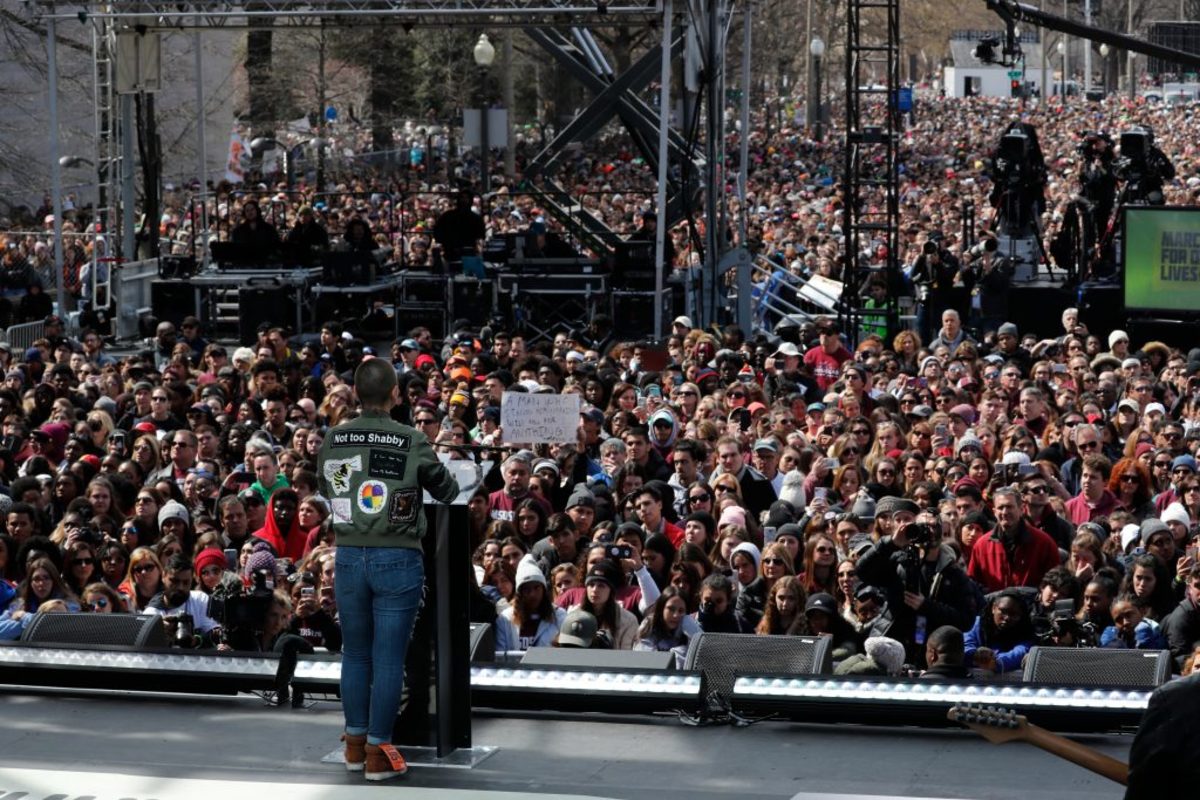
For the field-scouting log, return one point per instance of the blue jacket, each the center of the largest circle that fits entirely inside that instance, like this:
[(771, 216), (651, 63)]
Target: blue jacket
[(1146, 636), (1006, 660)]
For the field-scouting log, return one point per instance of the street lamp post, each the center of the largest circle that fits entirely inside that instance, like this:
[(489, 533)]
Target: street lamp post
[(485, 54), (817, 49), (1104, 51), (1061, 47)]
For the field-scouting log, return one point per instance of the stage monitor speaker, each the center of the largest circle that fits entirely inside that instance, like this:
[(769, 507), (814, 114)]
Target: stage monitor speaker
[(277, 307), (171, 301), (119, 630), (483, 643), (720, 656), (1090, 666), (598, 659)]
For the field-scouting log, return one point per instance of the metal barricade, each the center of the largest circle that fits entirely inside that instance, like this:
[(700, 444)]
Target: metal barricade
[(21, 337)]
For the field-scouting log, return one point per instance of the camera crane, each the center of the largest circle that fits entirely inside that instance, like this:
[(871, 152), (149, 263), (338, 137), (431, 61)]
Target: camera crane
[(1081, 242), (1013, 12)]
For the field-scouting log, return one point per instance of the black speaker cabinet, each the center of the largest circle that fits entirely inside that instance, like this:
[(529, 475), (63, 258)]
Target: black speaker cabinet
[(1092, 666), (256, 306), (171, 301), (722, 655), (121, 630)]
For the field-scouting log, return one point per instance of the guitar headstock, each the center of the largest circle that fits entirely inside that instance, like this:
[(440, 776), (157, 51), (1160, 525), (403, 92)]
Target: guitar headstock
[(997, 725)]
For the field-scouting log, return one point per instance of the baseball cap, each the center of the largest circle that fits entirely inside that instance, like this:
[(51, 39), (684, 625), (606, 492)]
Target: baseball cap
[(578, 629), (821, 602)]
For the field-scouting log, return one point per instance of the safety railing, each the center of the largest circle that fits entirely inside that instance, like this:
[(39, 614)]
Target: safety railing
[(778, 293)]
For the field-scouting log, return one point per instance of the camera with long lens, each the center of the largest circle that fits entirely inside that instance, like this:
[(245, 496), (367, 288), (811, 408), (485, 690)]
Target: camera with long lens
[(181, 630), (1061, 628), (244, 611), (920, 536)]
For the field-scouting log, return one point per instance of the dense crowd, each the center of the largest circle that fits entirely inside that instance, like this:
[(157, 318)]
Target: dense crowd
[(944, 501), (945, 506)]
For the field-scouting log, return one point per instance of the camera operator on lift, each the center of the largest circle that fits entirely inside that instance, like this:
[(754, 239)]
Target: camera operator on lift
[(925, 586)]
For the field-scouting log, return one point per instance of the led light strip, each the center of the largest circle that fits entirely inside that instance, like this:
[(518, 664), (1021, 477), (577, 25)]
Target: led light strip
[(760, 687), (135, 661), (666, 683)]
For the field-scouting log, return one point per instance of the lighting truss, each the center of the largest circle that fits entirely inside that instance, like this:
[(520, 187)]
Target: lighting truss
[(926, 702), (307, 13)]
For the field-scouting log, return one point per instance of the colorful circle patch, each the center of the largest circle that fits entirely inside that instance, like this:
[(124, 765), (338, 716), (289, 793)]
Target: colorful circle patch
[(372, 497)]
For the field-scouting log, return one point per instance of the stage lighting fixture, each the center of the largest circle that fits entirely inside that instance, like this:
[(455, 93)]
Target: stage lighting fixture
[(926, 702), (581, 689)]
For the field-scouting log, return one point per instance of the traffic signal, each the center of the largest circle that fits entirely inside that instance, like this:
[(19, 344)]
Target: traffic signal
[(1016, 87)]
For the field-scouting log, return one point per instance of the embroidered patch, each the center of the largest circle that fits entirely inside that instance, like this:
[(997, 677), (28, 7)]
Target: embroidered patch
[(365, 438), (386, 464), (404, 506), (372, 497), (338, 471), (342, 508)]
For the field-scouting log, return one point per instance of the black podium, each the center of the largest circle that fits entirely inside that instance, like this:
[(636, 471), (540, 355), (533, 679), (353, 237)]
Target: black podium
[(436, 713)]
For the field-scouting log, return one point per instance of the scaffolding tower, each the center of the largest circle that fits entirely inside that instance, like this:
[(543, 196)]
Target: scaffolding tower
[(871, 178)]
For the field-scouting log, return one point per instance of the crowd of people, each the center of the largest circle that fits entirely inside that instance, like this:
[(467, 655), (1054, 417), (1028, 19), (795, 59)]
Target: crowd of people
[(942, 499), (941, 506)]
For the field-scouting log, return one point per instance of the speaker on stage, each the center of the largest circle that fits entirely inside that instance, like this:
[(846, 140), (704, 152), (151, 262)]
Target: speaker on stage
[(171, 301), (120, 630), (1090, 666), (722, 655), (483, 643), (276, 307), (598, 659)]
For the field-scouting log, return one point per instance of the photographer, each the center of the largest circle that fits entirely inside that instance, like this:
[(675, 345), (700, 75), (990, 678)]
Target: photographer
[(183, 609), (939, 286), (925, 587), (988, 277), (1097, 178)]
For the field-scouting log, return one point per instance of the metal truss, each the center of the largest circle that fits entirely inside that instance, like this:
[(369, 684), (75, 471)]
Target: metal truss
[(871, 171), (614, 96), (307, 13)]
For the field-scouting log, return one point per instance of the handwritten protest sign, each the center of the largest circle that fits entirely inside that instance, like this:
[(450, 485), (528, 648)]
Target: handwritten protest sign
[(539, 418)]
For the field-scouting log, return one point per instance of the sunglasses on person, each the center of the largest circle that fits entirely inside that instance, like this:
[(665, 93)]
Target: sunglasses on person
[(142, 569), (699, 498), (99, 604), (773, 561)]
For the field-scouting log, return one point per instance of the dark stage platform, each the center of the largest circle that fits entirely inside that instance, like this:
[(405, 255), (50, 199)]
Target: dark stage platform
[(164, 747)]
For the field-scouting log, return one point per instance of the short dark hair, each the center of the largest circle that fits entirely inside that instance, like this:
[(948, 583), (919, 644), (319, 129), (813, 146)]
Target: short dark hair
[(718, 583), (179, 562), (948, 642), (373, 382)]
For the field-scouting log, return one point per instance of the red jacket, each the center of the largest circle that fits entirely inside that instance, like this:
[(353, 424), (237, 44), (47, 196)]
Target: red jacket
[(1035, 555), (1079, 512)]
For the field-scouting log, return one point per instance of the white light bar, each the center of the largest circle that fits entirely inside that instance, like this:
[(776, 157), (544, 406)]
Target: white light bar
[(1024, 696), (319, 671), (136, 661), (587, 682)]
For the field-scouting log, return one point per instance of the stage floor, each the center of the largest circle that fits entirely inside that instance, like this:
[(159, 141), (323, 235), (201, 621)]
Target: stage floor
[(164, 747)]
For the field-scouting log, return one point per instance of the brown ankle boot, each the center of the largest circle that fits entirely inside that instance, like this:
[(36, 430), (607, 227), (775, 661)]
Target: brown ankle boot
[(384, 761), (356, 753)]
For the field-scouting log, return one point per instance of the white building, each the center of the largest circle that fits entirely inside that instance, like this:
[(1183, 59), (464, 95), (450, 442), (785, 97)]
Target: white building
[(966, 76)]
